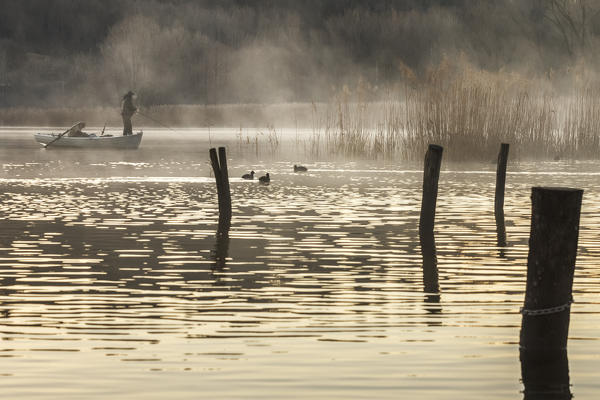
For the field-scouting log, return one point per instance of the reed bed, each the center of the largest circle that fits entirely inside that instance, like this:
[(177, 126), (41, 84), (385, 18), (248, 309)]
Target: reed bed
[(469, 114), (268, 142), (468, 111)]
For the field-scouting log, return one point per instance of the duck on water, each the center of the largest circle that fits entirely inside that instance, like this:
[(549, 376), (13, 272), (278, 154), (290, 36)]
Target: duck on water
[(300, 168), (249, 176), (265, 179)]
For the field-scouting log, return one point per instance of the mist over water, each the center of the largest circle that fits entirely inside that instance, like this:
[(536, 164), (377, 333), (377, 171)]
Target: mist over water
[(113, 279)]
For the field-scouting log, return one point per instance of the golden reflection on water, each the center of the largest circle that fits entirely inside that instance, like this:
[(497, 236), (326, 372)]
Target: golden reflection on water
[(319, 287)]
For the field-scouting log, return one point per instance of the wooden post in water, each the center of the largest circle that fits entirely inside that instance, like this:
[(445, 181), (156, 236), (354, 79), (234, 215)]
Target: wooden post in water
[(431, 175), (550, 268), (548, 296), (219, 166), (499, 197), (545, 375)]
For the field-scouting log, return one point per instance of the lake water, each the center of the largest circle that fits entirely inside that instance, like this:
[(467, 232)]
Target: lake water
[(113, 284)]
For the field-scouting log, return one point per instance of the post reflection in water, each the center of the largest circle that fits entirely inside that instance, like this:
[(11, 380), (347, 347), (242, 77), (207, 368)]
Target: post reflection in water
[(501, 234), (430, 279), (221, 250), (430, 270), (545, 375), (121, 282)]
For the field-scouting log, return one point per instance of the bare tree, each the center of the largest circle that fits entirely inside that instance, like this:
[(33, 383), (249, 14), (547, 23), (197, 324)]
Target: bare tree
[(572, 19)]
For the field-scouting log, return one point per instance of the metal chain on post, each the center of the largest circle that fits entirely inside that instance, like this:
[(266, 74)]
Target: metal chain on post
[(546, 311)]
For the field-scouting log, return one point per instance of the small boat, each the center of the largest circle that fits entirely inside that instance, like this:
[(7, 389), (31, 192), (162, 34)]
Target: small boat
[(91, 142)]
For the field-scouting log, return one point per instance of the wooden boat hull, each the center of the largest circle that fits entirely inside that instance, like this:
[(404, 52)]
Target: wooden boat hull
[(91, 142)]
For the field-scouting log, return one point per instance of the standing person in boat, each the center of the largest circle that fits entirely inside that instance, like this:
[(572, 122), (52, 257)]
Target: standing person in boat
[(127, 111)]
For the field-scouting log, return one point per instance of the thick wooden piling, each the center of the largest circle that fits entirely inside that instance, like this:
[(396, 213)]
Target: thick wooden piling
[(219, 166), (545, 375), (431, 175), (500, 181), (550, 268), (499, 196)]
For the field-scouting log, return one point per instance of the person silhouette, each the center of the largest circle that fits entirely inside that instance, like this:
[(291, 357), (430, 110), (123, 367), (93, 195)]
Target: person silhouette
[(128, 109)]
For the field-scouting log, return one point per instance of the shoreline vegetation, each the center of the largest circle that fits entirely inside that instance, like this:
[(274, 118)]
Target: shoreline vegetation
[(171, 115), (469, 112)]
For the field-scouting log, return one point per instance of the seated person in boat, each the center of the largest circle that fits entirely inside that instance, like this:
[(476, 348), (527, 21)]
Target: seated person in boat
[(76, 130), (127, 111)]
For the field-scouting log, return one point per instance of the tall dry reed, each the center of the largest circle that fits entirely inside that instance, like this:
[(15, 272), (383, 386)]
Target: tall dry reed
[(469, 113)]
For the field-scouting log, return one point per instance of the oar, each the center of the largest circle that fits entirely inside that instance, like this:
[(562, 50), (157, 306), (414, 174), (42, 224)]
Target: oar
[(61, 135), (158, 122)]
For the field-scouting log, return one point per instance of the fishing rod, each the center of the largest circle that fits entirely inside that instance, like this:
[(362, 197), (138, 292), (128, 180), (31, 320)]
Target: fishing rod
[(158, 122)]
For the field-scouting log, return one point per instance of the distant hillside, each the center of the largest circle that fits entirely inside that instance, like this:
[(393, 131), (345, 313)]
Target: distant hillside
[(88, 53)]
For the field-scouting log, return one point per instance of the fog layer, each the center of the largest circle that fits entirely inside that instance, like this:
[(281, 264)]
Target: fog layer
[(73, 53)]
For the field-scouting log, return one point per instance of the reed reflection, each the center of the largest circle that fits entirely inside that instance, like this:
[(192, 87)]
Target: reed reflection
[(545, 375)]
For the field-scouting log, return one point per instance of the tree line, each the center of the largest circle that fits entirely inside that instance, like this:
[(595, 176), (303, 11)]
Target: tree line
[(69, 52)]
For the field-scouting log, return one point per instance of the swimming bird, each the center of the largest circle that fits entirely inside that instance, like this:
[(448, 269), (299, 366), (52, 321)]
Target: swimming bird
[(249, 176), (265, 179), (300, 168)]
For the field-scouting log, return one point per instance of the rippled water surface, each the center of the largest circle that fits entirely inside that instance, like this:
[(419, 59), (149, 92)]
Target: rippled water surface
[(113, 284)]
